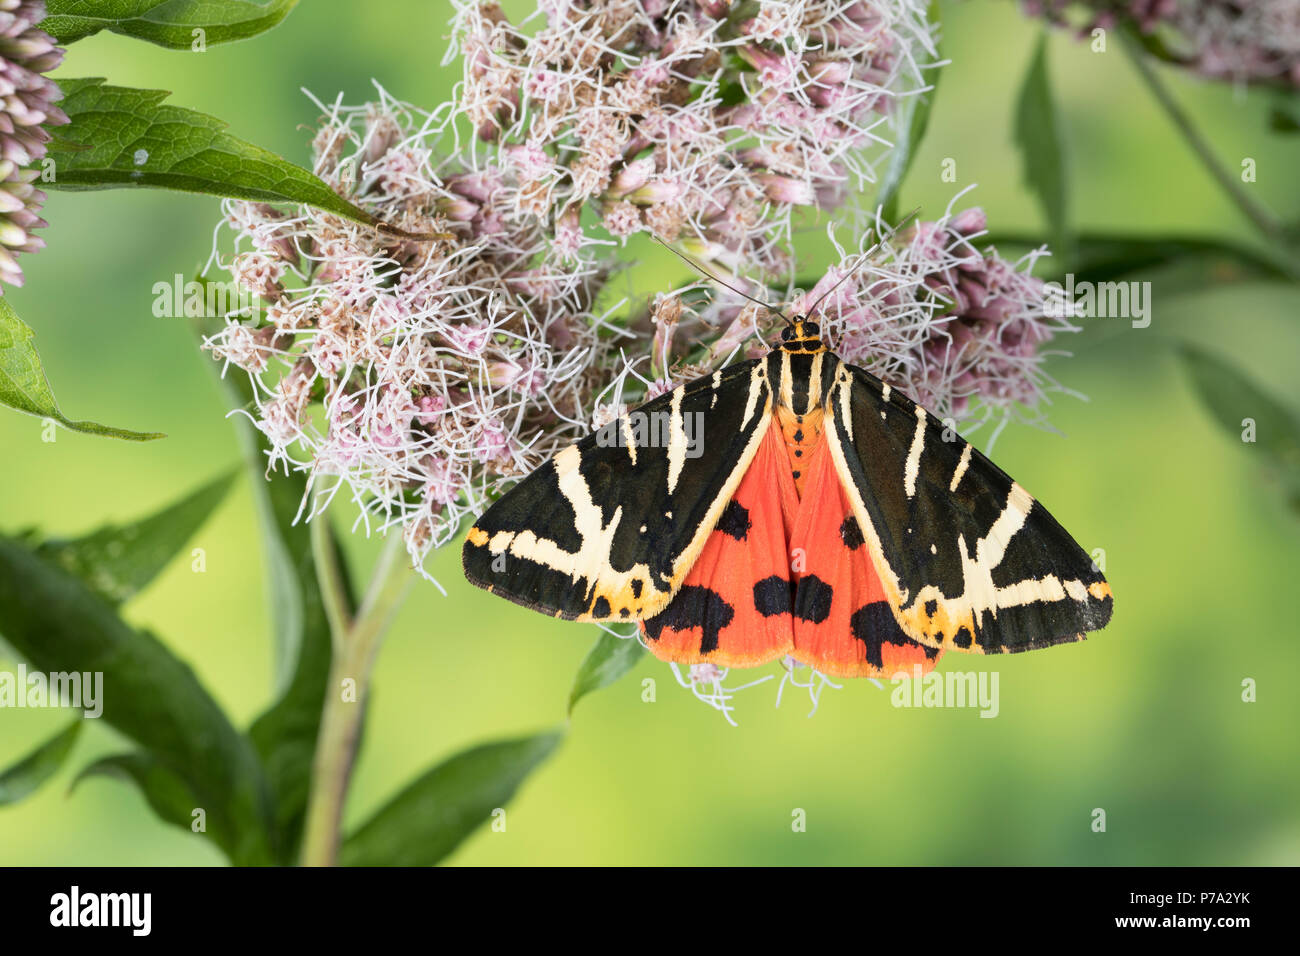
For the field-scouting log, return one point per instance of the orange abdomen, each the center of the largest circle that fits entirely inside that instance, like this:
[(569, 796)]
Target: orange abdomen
[(802, 434)]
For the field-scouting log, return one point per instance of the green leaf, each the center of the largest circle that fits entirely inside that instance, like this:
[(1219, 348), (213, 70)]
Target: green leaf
[(1284, 113), (23, 384), (169, 23), (59, 625), (1204, 262), (167, 794), (117, 562), (1039, 135), (121, 137), (285, 734), (25, 776), (429, 819), (912, 118), (1241, 407), (609, 659)]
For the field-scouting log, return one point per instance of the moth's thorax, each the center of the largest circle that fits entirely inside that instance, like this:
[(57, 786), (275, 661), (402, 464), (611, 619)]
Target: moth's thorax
[(801, 369), (802, 338)]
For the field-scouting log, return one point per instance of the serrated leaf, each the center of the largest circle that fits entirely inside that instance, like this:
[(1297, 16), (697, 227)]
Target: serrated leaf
[(60, 626), (27, 774), (609, 659), (117, 562), (431, 816), (1242, 408), (23, 385), (1039, 136), (168, 23), (912, 118), (122, 137)]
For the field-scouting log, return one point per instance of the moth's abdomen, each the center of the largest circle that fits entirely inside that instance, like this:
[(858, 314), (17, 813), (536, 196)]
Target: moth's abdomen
[(803, 435)]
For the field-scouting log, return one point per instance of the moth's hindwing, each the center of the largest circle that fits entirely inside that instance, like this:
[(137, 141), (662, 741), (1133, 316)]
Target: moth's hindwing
[(733, 609), (968, 559), (609, 528), (843, 624)]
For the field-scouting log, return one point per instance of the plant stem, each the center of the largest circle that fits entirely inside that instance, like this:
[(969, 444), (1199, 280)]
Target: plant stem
[(355, 646), (329, 577), (1257, 214)]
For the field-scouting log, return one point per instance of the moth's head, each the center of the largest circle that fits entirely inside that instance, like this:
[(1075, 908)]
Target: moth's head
[(801, 335)]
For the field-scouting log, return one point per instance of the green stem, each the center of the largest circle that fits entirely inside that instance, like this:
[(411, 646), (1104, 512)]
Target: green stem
[(329, 575), (1252, 210), (356, 643)]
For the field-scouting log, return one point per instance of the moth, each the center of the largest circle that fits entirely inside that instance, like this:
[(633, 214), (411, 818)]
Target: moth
[(824, 515)]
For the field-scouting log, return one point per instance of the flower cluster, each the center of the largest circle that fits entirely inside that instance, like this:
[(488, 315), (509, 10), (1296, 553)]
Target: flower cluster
[(1249, 41), (26, 107), (957, 328), (703, 122), (443, 367)]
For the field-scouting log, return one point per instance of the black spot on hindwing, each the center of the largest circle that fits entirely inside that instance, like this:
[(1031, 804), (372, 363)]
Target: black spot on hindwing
[(851, 534), (694, 606), (874, 625), (812, 599), (601, 608), (734, 520), (773, 596)]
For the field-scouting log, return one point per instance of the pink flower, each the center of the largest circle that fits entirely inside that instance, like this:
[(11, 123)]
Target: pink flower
[(430, 408), (787, 190), (1244, 41), (443, 367), (657, 124)]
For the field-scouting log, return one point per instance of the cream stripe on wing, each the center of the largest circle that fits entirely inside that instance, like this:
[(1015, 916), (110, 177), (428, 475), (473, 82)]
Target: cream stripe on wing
[(961, 468), (755, 387), (814, 383), (676, 441), (846, 404), (914, 455), (786, 390), (629, 438)]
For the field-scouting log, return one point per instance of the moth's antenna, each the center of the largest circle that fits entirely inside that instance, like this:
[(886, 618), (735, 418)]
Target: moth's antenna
[(705, 272), (866, 256)]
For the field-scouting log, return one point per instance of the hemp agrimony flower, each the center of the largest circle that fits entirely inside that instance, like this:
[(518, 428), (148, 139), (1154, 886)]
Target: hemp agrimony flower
[(1245, 41), (955, 327), (26, 107), (443, 368), (958, 328), (703, 122)]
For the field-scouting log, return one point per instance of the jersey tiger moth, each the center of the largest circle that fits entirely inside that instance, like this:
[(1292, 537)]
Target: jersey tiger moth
[(824, 516)]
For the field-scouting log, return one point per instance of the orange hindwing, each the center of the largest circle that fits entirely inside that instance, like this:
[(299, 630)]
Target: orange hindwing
[(733, 609)]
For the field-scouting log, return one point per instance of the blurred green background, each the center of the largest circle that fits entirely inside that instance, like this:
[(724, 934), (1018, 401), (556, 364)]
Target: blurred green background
[(1145, 720)]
